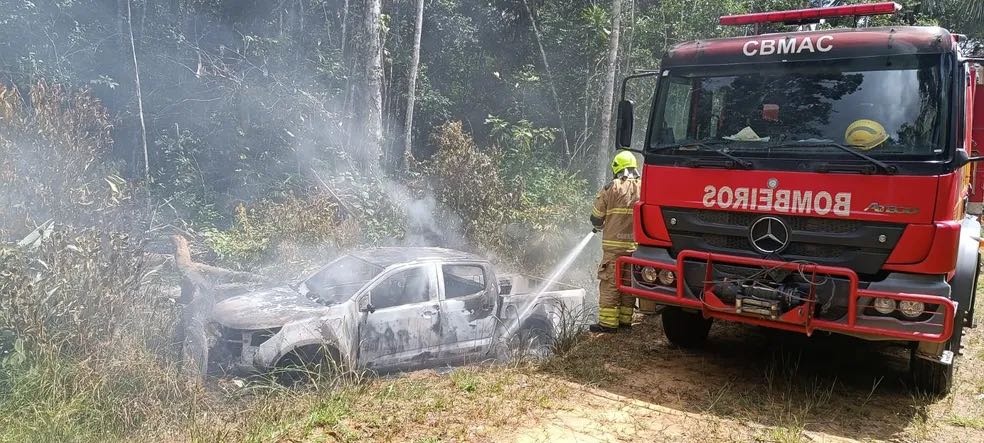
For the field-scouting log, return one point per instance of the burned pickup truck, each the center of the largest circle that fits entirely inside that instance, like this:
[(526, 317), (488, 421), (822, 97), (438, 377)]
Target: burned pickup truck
[(391, 309)]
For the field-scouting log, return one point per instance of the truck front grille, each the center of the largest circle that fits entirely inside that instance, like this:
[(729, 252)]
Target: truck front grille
[(861, 246)]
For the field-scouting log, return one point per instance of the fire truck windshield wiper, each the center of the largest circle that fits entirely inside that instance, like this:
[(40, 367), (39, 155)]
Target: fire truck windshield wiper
[(880, 165), (706, 146)]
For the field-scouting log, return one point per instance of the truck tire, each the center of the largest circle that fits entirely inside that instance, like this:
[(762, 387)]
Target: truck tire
[(685, 329), (969, 320), (930, 377)]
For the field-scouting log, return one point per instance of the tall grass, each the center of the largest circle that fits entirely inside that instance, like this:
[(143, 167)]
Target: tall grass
[(91, 348)]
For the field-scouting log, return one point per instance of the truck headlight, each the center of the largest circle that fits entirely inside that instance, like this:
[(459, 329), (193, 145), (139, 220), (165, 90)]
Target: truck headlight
[(911, 309), (649, 274), (666, 277), (884, 305)]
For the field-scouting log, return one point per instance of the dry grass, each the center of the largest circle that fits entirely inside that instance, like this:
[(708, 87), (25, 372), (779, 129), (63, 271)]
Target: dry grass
[(464, 405), (747, 385)]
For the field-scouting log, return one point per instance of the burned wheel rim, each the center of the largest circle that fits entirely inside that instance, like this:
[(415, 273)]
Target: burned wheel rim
[(303, 366), (530, 343)]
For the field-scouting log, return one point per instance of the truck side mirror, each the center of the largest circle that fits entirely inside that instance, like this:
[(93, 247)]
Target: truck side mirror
[(961, 158), (623, 124)]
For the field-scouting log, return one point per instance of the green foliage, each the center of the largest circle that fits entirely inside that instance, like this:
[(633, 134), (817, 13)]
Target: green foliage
[(288, 228), (465, 380), (74, 291), (91, 334), (515, 201), (468, 183), (102, 397), (54, 145), (189, 196), (371, 207)]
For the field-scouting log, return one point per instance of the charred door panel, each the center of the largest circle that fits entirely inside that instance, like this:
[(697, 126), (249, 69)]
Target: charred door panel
[(404, 327), (468, 307)]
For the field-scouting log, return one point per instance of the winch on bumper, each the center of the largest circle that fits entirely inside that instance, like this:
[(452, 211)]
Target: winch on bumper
[(793, 296)]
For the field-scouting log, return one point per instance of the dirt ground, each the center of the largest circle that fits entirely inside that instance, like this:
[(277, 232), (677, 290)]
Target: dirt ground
[(747, 384), (751, 384)]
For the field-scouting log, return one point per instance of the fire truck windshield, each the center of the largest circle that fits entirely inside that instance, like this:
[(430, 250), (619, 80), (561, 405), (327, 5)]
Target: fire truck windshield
[(890, 108)]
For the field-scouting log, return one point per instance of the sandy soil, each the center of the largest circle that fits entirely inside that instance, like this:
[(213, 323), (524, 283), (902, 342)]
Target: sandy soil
[(751, 384)]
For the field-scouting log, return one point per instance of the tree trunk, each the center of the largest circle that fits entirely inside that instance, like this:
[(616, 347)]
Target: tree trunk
[(374, 88), (631, 38), (550, 80), (345, 13), (412, 88), (605, 144), (201, 287), (136, 74)]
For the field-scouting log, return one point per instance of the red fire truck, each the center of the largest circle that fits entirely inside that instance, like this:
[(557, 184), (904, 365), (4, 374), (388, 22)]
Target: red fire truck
[(814, 180)]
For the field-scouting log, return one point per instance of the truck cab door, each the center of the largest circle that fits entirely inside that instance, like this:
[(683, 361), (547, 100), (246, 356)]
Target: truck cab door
[(400, 328), (975, 133), (468, 302)]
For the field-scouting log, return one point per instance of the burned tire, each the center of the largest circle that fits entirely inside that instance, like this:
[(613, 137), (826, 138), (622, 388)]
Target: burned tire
[(305, 364), (685, 329), (531, 342)]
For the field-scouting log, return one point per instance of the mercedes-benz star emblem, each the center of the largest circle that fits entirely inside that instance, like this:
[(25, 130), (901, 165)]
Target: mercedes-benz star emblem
[(769, 235)]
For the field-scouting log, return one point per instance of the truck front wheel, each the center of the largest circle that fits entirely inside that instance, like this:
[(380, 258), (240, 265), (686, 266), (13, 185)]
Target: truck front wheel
[(931, 377), (685, 329)]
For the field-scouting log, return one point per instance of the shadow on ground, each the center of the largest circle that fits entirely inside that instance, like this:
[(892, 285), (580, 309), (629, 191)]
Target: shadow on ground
[(830, 384)]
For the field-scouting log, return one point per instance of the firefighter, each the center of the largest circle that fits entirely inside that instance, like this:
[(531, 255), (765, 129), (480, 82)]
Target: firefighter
[(865, 134), (612, 215)]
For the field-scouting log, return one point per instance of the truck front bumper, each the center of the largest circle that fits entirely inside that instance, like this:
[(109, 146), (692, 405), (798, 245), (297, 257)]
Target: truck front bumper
[(697, 273)]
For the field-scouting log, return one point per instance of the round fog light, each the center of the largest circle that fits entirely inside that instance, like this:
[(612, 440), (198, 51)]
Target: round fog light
[(911, 309), (884, 305), (666, 277), (649, 274)]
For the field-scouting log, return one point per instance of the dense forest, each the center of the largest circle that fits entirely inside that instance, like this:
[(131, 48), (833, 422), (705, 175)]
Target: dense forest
[(200, 109), (271, 132)]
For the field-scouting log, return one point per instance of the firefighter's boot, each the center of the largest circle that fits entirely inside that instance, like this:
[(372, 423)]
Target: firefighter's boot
[(600, 328), (607, 319), (625, 316)]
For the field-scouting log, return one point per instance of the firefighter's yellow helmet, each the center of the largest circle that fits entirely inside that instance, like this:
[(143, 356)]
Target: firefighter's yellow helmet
[(623, 160), (865, 134)]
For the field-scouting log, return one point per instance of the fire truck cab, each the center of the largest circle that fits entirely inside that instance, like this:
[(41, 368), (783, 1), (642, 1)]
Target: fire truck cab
[(816, 180)]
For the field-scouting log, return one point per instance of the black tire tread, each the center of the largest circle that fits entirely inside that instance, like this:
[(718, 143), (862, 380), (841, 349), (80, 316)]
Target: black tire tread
[(932, 378), (685, 329)]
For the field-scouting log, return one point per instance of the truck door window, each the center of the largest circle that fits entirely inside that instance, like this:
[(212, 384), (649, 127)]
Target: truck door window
[(405, 287), (463, 280), (676, 117)]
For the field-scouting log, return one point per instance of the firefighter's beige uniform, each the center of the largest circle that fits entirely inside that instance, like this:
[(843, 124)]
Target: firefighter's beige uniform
[(612, 213)]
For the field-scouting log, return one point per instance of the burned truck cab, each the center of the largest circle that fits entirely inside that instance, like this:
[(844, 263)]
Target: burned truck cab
[(816, 180)]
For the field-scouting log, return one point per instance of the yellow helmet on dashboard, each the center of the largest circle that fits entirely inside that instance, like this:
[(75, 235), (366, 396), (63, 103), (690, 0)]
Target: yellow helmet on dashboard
[(623, 160), (865, 134)]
